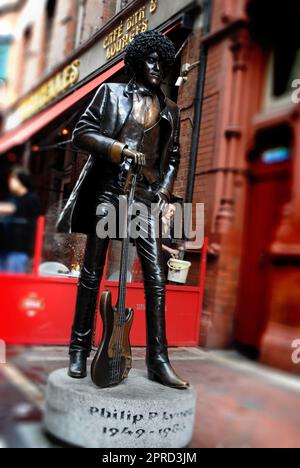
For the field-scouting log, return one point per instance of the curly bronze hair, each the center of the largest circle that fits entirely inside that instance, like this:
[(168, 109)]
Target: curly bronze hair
[(145, 44)]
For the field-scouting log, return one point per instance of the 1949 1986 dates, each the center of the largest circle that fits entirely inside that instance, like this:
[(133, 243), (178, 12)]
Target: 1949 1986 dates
[(164, 433)]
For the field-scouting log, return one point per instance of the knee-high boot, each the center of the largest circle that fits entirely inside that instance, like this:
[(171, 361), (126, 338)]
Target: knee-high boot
[(83, 326), (87, 296), (157, 359)]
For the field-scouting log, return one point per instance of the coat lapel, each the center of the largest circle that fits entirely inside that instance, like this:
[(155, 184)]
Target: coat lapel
[(125, 105), (166, 114)]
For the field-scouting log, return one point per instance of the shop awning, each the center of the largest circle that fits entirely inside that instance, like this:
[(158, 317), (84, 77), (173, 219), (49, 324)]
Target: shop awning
[(23, 133)]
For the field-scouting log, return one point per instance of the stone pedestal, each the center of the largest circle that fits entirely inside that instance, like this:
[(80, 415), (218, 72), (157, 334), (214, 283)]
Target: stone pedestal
[(136, 414)]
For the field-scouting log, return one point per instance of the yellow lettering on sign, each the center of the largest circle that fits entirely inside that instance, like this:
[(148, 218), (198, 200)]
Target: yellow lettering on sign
[(120, 37), (153, 6), (49, 91)]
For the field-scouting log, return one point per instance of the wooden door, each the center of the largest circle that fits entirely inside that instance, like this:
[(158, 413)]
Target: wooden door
[(269, 190)]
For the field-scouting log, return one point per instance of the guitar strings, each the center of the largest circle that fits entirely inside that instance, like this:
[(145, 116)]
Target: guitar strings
[(117, 355), (122, 316)]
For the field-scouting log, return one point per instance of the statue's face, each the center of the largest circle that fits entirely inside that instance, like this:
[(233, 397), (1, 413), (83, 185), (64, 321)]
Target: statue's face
[(151, 71)]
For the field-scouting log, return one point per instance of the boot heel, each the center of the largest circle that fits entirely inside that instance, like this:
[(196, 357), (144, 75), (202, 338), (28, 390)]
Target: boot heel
[(78, 364), (164, 374), (153, 377)]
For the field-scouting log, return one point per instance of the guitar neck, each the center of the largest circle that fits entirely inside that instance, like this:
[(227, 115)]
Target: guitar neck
[(121, 306)]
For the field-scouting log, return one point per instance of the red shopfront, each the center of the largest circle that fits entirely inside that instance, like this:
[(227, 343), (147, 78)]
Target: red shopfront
[(38, 309)]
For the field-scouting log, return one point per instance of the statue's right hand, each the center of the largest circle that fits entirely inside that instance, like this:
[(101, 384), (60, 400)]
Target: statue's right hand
[(139, 159)]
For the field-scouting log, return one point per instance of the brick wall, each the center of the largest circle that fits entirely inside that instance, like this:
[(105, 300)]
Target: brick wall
[(63, 33), (231, 57), (221, 287), (108, 10), (185, 101), (97, 14)]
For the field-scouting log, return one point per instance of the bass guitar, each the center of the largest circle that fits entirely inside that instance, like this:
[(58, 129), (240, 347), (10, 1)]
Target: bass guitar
[(113, 360)]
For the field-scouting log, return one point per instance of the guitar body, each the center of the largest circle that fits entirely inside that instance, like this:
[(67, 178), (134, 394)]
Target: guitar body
[(113, 360)]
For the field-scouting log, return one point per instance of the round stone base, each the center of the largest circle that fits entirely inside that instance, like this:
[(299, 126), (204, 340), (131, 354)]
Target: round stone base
[(136, 414)]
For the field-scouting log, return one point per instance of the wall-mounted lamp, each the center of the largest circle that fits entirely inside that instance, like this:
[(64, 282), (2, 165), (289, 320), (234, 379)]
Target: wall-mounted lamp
[(181, 80), (186, 68)]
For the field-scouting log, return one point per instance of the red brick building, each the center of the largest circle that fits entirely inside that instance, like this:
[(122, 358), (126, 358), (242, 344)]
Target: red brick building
[(247, 174)]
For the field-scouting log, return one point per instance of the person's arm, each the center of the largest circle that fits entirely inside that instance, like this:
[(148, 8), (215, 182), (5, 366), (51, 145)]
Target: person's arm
[(173, 252), (7, 209)]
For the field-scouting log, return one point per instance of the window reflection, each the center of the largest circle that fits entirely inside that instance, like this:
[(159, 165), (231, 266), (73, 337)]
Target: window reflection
[(62, 253), (114, 259)]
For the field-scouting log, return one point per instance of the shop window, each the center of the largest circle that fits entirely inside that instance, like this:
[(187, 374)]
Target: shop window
[(113, 267), (4, 52), (276, 30), (50, 9), (135, 274), (50, 16), (25, 75), (284, 68), (62, 254), (27, 41)]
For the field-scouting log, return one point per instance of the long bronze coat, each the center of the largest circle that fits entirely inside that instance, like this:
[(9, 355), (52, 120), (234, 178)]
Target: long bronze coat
[(105, 117)]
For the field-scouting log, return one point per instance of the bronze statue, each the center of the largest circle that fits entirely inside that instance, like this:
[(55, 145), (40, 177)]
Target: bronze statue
[(138, 123)]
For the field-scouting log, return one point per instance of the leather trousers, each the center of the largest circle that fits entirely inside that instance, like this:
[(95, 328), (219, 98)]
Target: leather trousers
[(149, 249)]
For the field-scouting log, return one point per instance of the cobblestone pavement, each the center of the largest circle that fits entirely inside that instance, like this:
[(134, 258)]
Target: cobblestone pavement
[(240, 404)]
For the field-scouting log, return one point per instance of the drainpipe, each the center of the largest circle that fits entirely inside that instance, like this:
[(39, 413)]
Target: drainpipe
[(207, 11)]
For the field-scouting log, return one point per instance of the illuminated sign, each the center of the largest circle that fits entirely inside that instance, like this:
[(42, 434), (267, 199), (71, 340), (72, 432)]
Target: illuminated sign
[(276, 155)]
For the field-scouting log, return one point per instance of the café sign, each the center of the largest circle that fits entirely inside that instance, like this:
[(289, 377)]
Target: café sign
[(151, 15), (46, 93), (126, 31)]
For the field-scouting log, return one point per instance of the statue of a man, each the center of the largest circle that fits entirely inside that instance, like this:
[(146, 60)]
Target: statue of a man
[(134, 121)]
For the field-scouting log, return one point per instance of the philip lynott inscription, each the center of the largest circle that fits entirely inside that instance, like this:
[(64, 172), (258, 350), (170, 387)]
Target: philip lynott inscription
[(136, 425), (132, 418)]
